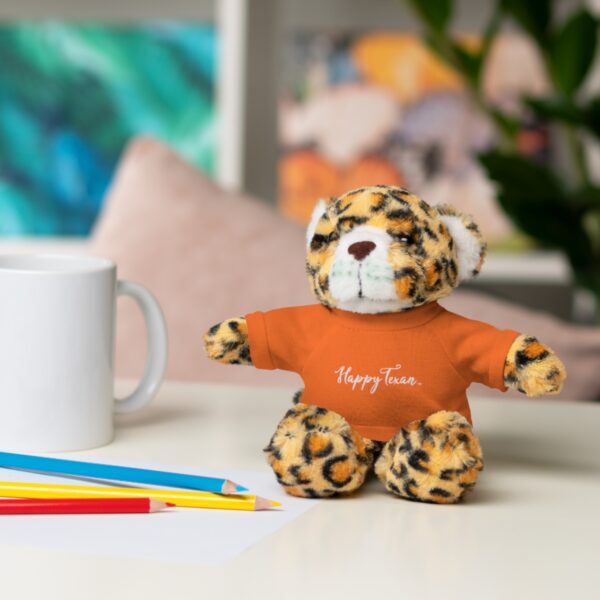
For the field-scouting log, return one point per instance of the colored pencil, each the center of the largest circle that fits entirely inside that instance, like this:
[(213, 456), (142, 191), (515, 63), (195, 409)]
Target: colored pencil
[(59, 466), (183, 498), (80, 506)]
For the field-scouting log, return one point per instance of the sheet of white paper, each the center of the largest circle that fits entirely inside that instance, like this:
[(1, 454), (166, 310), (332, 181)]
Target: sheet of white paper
[(185, 535)]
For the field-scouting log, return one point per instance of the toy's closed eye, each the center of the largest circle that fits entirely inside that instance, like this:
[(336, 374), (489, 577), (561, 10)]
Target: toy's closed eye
[(319, 240)]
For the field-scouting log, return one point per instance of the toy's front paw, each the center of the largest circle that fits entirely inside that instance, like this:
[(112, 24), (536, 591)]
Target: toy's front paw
[(436, 459), (227, 342), (532, 368), (315, 453)]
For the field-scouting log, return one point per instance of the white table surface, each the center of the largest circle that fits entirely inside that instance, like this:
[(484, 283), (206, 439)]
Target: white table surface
[(531, 528)]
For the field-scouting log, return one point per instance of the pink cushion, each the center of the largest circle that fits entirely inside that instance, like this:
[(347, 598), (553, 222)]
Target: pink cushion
[(208, 254)]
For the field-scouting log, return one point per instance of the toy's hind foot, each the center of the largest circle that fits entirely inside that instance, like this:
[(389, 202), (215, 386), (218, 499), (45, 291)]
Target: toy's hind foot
[(315, 453), (436, 459)]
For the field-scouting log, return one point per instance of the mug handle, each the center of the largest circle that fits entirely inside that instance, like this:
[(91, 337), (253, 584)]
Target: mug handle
[(156, 362)]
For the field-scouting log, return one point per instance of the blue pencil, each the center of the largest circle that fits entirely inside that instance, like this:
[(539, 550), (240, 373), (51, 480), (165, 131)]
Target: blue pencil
[(59, 466)]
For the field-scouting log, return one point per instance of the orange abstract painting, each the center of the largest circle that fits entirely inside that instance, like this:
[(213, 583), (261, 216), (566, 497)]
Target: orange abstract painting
[(362, 109)]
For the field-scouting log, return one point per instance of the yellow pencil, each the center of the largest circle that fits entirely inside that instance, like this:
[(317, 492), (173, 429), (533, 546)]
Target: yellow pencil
[(188, 499)]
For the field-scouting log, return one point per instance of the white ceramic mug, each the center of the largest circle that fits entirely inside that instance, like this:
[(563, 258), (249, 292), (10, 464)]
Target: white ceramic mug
[(57, 323)]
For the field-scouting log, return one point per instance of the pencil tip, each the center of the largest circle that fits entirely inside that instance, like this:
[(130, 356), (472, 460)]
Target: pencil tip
[(157, 505), (229, 487), (264, 503)]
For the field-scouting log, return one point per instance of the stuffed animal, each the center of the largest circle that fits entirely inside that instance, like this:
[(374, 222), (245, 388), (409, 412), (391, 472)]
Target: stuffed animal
[(385, 367)]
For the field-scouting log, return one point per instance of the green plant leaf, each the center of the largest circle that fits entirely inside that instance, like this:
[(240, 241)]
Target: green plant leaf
[(591, 224), (436, 44), (469, 63), (591, 119), (587, 198), (538, 204), (533, 15), (572, 50), (491, 30), (556, 109), (522, 177), (509, 124), (435, 13), (565, 110)]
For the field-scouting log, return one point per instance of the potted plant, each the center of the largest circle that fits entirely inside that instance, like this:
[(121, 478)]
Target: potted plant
[(557, 205)]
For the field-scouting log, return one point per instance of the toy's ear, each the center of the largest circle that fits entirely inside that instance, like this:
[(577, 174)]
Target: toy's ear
[(317, 213), (469, 243)]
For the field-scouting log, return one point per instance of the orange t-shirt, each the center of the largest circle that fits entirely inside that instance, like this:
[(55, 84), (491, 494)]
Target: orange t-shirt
[(381, 371)]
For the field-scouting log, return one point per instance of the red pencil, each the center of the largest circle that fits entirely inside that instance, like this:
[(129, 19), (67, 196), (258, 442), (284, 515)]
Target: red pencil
[(78, 506)]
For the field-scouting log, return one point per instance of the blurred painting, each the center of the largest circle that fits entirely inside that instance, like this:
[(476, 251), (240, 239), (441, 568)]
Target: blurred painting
[(382, 108), (73, 94)]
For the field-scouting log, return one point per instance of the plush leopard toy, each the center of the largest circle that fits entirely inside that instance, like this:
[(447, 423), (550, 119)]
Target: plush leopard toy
[(385, 367)]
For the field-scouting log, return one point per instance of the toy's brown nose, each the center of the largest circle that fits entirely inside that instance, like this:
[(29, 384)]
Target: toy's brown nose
[(361, 249)]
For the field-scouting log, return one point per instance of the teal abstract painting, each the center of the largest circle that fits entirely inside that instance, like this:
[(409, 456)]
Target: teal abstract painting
[(71, 97)]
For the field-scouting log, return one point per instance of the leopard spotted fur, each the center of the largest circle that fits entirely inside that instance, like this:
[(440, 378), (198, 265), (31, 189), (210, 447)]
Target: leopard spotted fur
[(227, 342), (315, 452)]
